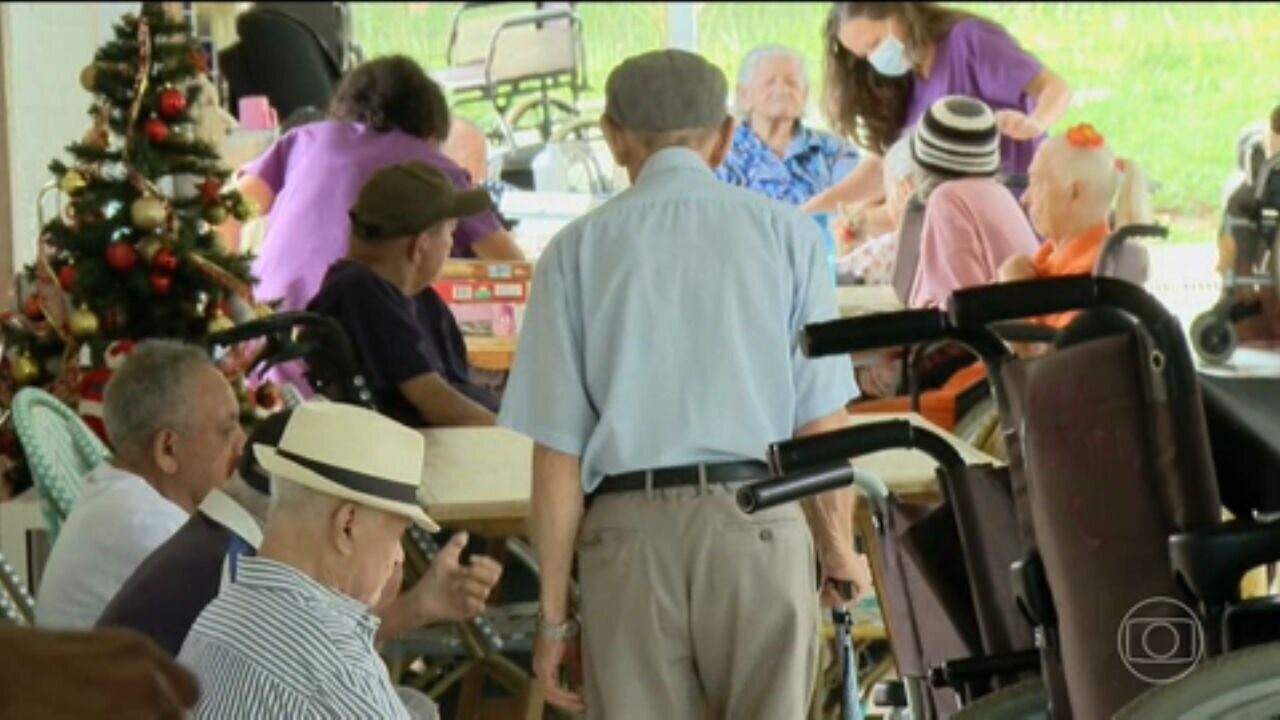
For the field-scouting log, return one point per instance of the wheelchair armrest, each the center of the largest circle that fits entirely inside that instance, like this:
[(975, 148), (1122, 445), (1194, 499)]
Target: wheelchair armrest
[(1031, 590), (981, 670), (1212, 560)]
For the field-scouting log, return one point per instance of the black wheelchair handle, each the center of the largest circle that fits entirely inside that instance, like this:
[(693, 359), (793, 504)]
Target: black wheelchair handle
[(979, 306), (857, 440), (871, 332), (775, 491)]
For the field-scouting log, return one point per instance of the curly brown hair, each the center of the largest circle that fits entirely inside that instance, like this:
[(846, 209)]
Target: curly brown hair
[(392, 93), (861, 103)]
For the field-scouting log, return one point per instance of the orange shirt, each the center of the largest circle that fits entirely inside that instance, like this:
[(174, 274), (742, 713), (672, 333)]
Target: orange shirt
[(1076, 257)]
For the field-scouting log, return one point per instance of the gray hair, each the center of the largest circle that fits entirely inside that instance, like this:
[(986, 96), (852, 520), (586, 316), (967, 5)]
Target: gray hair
[(751, 65), (898, 160), (150, 392), (299, 501)]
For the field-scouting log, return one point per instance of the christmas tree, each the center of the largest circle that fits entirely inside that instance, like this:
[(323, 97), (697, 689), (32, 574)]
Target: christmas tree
[(133, 253)]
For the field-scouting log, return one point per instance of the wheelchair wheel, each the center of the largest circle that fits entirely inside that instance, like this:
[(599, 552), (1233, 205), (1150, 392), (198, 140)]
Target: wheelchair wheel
[(1026, 700), (578, 128), (1213, 337), (1242, 684), (531, 114)]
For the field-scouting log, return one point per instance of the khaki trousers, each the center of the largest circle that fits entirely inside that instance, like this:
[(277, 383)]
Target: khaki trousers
[(691, 609)]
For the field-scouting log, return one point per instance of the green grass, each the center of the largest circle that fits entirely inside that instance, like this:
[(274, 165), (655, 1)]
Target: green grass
[(1169, 84)]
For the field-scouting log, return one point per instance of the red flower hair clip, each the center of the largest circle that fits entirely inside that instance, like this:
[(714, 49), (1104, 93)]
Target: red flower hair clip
[(1084, 136)]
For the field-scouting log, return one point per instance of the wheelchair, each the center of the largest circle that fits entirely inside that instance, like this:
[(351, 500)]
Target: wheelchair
[(1117, 507)]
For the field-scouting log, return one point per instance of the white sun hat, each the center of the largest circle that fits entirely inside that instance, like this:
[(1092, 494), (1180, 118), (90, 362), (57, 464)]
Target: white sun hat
[(353, 453)]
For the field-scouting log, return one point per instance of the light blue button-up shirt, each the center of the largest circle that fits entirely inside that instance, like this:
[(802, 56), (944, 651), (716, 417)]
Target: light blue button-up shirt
[(663, 327)]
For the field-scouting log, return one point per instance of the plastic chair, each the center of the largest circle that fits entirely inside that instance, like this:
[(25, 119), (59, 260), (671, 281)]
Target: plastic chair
[(17, 607), (60, 450)]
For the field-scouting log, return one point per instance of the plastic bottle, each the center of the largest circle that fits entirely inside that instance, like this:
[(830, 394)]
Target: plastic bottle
[(551, 169)]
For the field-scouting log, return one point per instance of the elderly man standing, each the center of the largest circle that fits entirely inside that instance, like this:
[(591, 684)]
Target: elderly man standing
[(773, 153), (658, 360), (175, 425), (292, 636)]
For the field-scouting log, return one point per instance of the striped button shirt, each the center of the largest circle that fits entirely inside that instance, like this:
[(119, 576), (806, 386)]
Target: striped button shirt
[(277, 644)]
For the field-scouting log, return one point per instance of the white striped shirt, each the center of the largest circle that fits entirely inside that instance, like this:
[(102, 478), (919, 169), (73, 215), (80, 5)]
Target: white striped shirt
[(277, 644)]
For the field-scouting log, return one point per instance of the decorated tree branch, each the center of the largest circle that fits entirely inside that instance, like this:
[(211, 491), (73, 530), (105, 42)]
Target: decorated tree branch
[(132, 253)]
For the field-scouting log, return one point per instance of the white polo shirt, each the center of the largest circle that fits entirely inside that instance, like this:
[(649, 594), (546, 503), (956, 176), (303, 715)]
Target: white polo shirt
[(117, 521)]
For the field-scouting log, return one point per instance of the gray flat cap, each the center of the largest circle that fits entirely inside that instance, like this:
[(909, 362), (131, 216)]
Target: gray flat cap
[(666, 90)]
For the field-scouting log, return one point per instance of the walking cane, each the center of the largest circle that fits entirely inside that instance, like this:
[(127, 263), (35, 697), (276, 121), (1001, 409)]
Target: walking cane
[(850, 703)]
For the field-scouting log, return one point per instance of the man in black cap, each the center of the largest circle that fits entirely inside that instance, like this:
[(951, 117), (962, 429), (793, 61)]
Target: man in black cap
[(409, 345)]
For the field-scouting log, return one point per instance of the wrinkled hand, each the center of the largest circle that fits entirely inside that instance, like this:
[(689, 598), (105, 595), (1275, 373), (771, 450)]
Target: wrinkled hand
[(1017, 125), (57, 675), (549, 658), (452, 592), (845, 565)]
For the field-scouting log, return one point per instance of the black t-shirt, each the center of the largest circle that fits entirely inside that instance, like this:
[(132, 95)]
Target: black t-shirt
[(169, 590), (397, 338)]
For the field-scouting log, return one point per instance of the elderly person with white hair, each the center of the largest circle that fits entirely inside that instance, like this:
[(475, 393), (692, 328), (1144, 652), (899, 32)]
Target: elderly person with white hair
[(293, 634), (773, 153), (871, 261), (175, 425)]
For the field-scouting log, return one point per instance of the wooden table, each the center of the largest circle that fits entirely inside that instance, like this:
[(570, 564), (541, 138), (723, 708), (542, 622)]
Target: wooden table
[(497, 353), (479, 479)]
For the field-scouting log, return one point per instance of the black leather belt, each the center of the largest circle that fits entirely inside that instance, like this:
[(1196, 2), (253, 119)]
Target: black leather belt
[(682, 476)]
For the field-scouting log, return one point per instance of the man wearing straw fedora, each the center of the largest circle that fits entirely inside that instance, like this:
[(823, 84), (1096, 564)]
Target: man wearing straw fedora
[(292, 635)]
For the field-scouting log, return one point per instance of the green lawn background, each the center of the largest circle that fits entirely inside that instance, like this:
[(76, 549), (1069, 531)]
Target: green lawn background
[(1169, 84)]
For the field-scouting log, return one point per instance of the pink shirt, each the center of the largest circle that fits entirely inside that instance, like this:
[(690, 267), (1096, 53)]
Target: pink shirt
[(971, 226)]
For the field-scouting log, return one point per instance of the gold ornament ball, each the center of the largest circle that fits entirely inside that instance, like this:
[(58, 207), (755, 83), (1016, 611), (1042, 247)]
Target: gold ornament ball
[(147, 213), (89, 77), (97, 138), (72, 182), (219, 323), (215, 214), (84, 323), (25, 370), (149, 247), (182, 135)]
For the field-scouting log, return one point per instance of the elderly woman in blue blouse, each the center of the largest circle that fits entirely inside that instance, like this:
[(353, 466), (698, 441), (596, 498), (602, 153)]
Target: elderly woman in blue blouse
[(773, 153)]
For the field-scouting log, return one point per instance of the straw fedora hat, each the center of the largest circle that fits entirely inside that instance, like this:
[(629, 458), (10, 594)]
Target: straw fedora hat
[(352, 453)]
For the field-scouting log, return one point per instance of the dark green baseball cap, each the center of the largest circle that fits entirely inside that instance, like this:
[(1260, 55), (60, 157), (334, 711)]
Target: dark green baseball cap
[(405, 199)]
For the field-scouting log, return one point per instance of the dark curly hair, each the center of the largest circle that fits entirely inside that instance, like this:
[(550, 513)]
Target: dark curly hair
[(861, 103), (392, 93)]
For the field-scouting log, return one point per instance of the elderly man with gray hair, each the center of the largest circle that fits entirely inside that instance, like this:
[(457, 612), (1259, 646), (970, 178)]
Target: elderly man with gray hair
[(292, 636), (773, 153), (174, 422), (659, 359)]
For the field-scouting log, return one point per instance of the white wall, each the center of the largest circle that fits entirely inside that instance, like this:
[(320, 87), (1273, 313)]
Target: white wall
[(45, 47)]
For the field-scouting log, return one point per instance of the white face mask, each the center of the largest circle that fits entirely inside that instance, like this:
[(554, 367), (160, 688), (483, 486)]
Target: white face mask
[(890, 57)]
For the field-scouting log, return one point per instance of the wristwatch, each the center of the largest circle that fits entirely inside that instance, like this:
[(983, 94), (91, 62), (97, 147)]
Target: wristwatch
[(557, 631)]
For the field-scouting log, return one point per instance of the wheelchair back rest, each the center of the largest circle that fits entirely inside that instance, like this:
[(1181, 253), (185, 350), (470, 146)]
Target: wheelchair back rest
[(1114, 467), (523, 48), (60, 450)]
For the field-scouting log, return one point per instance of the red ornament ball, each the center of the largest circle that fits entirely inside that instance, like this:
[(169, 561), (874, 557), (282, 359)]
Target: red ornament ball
[(67, 277), (172, 103), (31, 308), (122, 257), (157, 132), (165, 261), (161, 283), (268, 397)]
